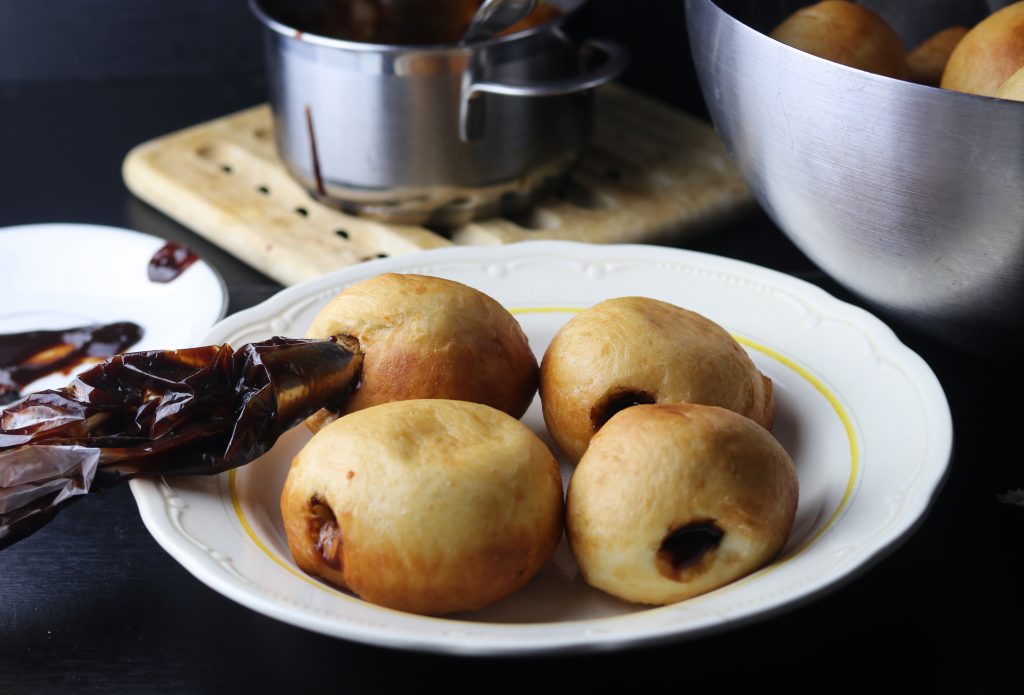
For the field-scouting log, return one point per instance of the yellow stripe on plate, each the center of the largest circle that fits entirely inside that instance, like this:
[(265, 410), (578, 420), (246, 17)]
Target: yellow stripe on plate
[(814, 381), (844, 418)]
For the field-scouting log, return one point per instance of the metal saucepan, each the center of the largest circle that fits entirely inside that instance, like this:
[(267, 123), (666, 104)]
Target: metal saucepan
[(426, 133)]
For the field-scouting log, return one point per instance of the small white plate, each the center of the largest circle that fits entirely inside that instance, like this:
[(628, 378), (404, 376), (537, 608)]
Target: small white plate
[(55, 276), (863, 417)]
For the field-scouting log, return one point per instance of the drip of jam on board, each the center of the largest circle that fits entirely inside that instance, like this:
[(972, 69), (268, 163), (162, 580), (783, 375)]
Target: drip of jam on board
[(170, 261), (25, 357)]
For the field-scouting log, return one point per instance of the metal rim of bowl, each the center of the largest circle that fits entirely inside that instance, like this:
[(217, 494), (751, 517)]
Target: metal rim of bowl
[(869, 75)]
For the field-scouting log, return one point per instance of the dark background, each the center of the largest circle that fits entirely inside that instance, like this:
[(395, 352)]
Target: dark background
[(92, 603), (48, 42)]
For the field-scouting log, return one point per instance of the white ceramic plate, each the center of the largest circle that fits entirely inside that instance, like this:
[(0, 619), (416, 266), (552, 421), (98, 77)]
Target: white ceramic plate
[(863, 417), (55, 276)]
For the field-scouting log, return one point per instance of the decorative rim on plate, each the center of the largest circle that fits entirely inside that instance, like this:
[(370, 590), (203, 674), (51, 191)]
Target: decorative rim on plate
[(856, 369)]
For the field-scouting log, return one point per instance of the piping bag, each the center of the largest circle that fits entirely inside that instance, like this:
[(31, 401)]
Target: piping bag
[(197, 411)]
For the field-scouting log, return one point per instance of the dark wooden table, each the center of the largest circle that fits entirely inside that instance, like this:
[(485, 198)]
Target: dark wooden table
[(93, 603)]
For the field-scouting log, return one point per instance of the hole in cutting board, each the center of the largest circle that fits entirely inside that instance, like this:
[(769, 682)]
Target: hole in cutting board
[(440, 230), (583, 196), (342, 233), (616, 166), (533, 219), (528, 217)]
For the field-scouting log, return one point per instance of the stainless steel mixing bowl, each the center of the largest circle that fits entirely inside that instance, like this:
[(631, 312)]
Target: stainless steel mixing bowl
[(910, 196)]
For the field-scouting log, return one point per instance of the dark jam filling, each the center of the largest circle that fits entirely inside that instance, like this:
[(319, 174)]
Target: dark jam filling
[(684, 547), (381, 22), (170, 261), (323, 527), (25, 357), (615, 402)]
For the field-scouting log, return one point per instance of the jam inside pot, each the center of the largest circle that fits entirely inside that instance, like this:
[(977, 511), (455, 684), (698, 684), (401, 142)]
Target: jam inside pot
[(394, 22)]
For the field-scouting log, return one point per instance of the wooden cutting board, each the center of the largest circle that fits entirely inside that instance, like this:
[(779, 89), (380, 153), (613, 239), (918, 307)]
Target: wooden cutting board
[(651, 174)]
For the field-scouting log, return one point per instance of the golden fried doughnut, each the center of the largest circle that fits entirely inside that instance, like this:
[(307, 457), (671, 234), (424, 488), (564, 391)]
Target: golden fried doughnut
[(847, 33), (671, 501), (1013, 87), (633, 350), (927, 62), (425, 337), (427, 506), (988, 54)]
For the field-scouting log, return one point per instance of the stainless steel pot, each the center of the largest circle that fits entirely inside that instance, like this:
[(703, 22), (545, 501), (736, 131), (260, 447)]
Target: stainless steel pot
[(911, 196), (435, 134)]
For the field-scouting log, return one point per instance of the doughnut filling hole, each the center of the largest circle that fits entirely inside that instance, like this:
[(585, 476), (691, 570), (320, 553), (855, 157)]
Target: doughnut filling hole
[(332, 411), (616, 401), (324, 532), (686, 547)]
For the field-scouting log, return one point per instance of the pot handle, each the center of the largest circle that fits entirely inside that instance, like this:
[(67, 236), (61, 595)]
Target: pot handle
[(471, 117)]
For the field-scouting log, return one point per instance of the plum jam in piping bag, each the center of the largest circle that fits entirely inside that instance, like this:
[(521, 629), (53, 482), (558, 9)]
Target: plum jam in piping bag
[(197, 411)]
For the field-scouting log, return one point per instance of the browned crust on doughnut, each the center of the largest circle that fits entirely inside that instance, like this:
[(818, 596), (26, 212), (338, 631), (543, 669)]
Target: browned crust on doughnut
[(426, 337), (441, 506), (663, 352), (656, 468), (846, 33), (927, 62), (988, 54)]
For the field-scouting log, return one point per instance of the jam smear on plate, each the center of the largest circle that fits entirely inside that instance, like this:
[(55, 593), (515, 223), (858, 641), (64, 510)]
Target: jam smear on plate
[(170, 261), (25, 357)]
